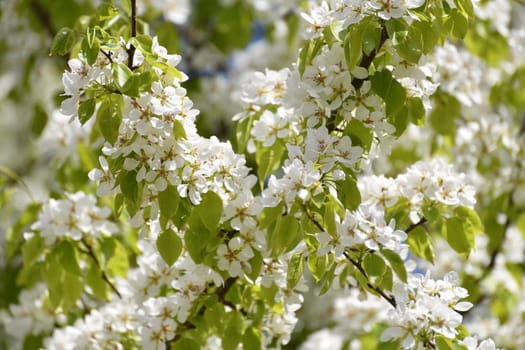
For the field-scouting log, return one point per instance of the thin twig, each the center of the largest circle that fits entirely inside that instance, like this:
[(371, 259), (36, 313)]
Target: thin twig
[(378, 290), (366, 61), (390, 298), (105, 53), (421, 222), (105, 277), (221, 293), (131, 50)]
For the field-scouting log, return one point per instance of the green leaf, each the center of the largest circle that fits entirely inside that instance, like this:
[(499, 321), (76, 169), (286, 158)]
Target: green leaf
[(268, 159), (242, 133), (352, 46), (178, 130), (396, 263), (116, 255), (444, 113), (429, 30), (295, 270), (132, 86), (466, 7), (143, 42), (95, 281), (169, 245), (68, 257), (328, 279), (39, 121), (400, 121), (126, 6), (420, 244), (86, 109), (169, 200), (458, 237), (210, 210), (303, 59), (53, 274), (168, 36), (443, 343), (63, 42), (371, 37), (130, 190), (317, 265), (90, 47), (256, 263), (459, 24), (121, 73), (32, 249), (470, 218), (214, 316), (349, 193), (252, 339), (285, 236), (485, 42), (374, 265), (359, 134), (72, 290), (269, 215), (329, 218), (233, 332), (185, 344), (461, 229), (109, 117), (392, 92), (196, 238), (407, 40), (32, 342), (416, 111)]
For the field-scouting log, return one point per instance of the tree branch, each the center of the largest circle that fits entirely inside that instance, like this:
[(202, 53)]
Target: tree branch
[(131, 50), (390, 298), (105, 277), (412, 227), (221, 293), (366, 61)]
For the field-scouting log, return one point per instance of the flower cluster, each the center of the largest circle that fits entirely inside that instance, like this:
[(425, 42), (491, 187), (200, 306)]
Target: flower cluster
[(32, 315), (425, 307), (435, 181), (217, 260), (77, 217)]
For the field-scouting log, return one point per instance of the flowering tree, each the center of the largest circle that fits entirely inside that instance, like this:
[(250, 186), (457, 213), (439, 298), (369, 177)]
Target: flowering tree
[(373, 178)]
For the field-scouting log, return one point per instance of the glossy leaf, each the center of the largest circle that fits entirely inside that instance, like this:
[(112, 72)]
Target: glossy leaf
[(396, 263), (109, 117), (169, 200), (295, 270), (86, 109), (420, 244), (210, 210), (169, 246), (63, 42)]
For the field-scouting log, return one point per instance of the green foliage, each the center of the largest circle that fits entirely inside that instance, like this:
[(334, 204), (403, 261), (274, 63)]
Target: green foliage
[(359, 134), (459, 230), (295, 270), (268, 159), (444, 113), (350, 195), (109, 116), (285, 235), (394, 95), (169, 245), (487, 43), (420, 243), (63, 42)]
